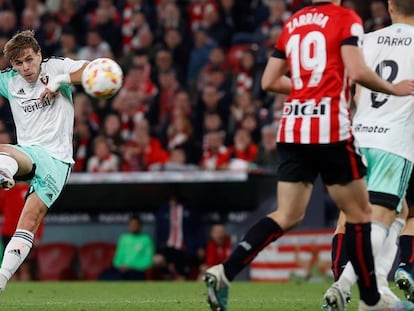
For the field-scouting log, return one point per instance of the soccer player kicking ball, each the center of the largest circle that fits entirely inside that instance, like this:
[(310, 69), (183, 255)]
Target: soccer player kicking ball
[(318, 46), (40, 98)]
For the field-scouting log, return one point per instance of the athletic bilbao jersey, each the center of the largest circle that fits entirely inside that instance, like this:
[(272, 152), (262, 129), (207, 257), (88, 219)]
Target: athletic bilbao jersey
[(317, 111), (46, 124), (383, 121)]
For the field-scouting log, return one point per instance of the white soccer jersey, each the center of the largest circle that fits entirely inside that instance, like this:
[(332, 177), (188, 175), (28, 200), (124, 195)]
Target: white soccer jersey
[(382, 121), (48, 124)]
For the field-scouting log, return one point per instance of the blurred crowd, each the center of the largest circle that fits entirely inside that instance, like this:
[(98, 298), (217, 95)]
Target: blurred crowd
[(191, 97)]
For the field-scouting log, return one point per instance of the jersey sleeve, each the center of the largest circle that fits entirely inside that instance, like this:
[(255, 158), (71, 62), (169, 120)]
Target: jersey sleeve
[(352, 29), (279, 51), (66, 65), (5, 76)]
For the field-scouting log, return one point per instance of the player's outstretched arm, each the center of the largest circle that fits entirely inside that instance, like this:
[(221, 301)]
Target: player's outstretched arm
[(274, 79), (359, 72), (76, 76)]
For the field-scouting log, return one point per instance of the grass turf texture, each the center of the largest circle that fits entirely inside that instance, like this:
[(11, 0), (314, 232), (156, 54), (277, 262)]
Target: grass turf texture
[(157, 296)]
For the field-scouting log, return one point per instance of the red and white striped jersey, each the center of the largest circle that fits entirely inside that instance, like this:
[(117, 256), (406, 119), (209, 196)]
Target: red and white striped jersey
[(317, 110)]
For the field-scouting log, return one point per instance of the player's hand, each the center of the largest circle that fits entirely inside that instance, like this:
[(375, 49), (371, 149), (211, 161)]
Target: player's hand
[(47, 95), (403, 88)]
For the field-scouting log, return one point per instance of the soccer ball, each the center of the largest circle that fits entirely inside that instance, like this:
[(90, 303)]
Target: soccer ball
[(102, 78)]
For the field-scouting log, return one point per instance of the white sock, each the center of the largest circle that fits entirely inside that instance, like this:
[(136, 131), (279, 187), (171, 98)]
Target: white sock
[(8, 162), (383, 262), (347, 278), (379, 233), (16, 252)]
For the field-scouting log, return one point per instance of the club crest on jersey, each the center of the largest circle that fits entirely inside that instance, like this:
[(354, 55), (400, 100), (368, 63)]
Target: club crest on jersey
[(308, 108), (44, 79)]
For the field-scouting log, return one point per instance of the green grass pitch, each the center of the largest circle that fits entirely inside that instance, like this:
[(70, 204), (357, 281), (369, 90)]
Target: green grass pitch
[(165, 296)]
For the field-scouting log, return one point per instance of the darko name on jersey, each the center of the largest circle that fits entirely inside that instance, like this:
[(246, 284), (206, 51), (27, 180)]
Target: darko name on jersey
[(35, 104), (307, 108), (392, 41)]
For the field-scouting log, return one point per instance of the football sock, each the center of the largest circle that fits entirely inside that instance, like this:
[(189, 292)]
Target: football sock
[(359, 249), (338, 255), (8, 162), (385, 259), (258, 237), (16, 252), (407, 252), (379, 233)]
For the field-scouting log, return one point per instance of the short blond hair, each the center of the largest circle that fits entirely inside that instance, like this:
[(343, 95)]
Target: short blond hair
[(19, 42)]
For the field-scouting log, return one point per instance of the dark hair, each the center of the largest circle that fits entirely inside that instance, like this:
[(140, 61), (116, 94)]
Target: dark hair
[(19, 42), (135, 216), (404, 7)]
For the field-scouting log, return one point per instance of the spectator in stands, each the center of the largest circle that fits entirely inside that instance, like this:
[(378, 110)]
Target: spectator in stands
[(142, 150), (210, 101), (203, 44), (85, 129), (379, 16), (179, 49), (70, 15), (163, 62), (243, 150), (135, 14), (106, 20), (180, 135), (82, 145), (96, 46), (133, 256), (216, 27), (250, 122), (30, 19), (217, 60), (111, 130), (103, 159), (138, 79), (8, 22), (4, 62), (180, 239), (182, 103), (196, 12), (177, 161), (131, 108), (144, 39), (68, 45), (160, 111), (278, 14), (49, 34), (241, 106), (247, 78), (267, 157), (212, 122), (218, 247), (229, 15), (215, 154), (84, 111), (170, 17)]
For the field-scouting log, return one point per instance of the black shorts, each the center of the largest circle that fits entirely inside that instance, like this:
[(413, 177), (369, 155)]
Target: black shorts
[(337, 163), (410, 192)]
